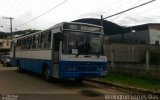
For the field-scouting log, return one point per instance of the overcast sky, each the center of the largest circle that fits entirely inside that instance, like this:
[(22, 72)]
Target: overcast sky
[(25, 10)]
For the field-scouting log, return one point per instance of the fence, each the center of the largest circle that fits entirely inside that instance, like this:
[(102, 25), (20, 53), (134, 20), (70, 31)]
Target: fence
[(134, 59)]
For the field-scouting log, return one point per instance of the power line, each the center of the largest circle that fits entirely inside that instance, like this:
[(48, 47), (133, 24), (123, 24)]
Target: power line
[(132, 6), (129, 9), (146, 10), (115, 5), (42, 14)]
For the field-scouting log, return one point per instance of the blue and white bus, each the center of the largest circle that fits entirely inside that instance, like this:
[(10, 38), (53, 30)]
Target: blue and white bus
[(66, 50)]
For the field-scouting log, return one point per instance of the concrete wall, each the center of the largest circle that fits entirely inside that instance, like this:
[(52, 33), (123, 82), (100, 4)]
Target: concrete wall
[(125, 52), (134, 69), (132, 60)]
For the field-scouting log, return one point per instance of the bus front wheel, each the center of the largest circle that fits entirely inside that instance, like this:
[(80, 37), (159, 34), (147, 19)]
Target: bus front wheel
[(79, 80), (46, 74)]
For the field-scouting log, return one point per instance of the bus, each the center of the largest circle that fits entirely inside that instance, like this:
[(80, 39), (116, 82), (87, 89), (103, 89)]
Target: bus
[(66, 50)]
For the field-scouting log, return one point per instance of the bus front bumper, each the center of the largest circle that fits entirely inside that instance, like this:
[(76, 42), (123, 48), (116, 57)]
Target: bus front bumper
[(83, 74)]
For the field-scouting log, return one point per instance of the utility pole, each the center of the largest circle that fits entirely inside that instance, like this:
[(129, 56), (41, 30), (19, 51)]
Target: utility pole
[(10, 18), (102, 20), (103, 25)]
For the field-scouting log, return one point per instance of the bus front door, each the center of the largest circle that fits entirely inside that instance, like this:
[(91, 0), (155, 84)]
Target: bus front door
[(56, 43)]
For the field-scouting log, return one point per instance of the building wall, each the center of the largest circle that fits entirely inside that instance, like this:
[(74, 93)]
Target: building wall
[(139, 37), (150, 35), (115, 38), (5, 44), (154, 35)]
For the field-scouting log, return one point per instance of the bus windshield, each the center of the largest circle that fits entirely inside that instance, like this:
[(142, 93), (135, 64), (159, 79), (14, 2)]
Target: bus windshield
[(82, 43)]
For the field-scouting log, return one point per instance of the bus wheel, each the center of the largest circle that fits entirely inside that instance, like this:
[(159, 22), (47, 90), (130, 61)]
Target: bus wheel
[(46, 74), (19, 69), (79, 80)]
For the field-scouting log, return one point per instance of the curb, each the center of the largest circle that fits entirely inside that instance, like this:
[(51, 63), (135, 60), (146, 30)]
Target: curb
[(124, 86)]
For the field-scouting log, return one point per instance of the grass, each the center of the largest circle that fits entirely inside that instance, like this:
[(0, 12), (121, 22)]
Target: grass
[(132, 81)]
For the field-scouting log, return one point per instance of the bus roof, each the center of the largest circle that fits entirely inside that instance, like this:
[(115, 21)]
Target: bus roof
[(58, 26)]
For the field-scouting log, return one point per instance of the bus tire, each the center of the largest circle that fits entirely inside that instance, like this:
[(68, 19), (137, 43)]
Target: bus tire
[(19, 69), (79, 80), (46, 73)]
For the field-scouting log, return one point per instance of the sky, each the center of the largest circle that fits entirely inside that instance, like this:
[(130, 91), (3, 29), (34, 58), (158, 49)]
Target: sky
[(25, 12)]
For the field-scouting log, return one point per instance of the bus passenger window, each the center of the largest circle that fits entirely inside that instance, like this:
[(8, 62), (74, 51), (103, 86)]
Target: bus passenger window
[(35, 41), (29, 42), (33, 44), (23, 43), (46, 39)]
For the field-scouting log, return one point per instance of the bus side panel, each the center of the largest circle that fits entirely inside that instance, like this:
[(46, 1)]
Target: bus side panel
[(33, 60), (35, 65)]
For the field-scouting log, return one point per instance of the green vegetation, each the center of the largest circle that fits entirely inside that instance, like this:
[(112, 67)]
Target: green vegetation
[(132, 81)]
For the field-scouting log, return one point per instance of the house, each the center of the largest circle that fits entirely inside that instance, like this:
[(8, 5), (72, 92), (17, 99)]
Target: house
[(5, 43), (141, 34)]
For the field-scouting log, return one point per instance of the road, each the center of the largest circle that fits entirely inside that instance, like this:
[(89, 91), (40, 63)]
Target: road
[(27, 86)]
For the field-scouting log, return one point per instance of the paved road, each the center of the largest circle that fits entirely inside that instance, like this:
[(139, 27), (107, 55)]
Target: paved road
[(27, 86)]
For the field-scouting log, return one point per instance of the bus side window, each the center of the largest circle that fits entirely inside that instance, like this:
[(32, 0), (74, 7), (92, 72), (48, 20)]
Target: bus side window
[(35, 40), (29, 42), (46, 39), (43, 40), (23, 43), (33, 44), (40, 41)]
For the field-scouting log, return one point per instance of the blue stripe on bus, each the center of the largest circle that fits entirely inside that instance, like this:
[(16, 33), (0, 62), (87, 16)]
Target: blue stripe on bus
[(33, 65), (83, 68)]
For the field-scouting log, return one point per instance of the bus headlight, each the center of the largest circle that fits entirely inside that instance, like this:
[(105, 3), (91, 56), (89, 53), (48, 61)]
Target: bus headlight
[(100, 69), (71, 69)]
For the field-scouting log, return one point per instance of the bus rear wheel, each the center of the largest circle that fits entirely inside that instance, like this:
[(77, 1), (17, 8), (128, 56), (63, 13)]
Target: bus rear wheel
[(19, 69)]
